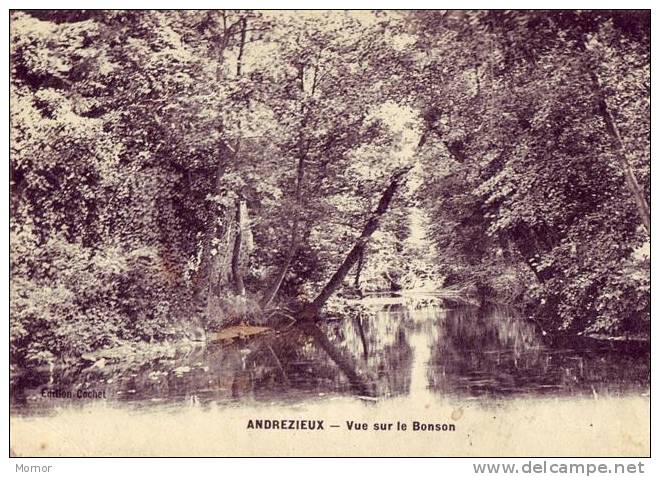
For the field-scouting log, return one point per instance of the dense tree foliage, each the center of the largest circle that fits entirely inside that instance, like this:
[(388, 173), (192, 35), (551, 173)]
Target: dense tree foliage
[(544, 145), (207, 167)]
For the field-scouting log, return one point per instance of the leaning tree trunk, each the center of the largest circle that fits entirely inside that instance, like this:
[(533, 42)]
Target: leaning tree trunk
[(618, 147), (620, 152), (358, 271), (311, 310)]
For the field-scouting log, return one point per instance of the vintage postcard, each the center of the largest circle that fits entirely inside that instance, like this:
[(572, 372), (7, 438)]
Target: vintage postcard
[(330, 233)]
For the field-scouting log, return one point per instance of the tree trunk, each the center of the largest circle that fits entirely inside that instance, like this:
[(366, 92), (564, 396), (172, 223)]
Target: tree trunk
[(213, 271), (620, 152), (293, 241), (210, 274), (358, 271), (272, 292), (311, 310), (237, 275), (277, 283), (241, 47)]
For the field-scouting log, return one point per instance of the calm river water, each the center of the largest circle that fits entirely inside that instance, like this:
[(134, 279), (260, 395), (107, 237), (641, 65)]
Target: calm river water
[(396, 351)]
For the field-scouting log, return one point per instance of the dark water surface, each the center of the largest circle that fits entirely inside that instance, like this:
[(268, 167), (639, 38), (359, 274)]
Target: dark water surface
[(467, 353)]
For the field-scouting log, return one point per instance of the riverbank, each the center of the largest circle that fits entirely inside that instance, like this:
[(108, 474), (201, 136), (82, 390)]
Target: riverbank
[(135, 353)]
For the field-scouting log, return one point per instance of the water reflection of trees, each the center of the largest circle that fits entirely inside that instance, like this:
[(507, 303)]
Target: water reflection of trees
[(381, 342), (492, 351), (366, 355), (465, 351)]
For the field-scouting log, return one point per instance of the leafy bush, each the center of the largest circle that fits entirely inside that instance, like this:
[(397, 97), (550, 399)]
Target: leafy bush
[(67, 300)]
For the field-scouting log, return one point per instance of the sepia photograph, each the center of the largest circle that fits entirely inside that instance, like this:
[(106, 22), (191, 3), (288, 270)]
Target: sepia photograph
[(329, 233)]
